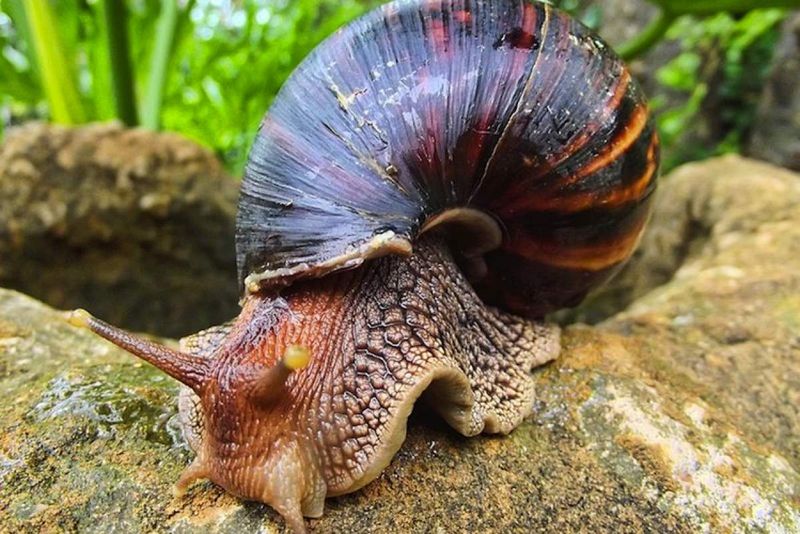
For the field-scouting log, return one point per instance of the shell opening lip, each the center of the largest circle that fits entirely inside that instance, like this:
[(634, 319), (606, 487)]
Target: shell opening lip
[(471, 232), (382, 244)]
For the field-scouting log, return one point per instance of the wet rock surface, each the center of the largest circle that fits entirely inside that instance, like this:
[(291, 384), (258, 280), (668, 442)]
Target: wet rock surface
[(134, 225), (678, 414)]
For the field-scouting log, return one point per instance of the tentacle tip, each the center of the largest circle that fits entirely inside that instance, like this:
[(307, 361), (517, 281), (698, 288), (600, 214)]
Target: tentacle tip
[(296, 357), (80, 318)]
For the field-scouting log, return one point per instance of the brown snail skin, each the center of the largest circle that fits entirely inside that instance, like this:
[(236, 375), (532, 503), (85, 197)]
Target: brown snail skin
[(431, 181)]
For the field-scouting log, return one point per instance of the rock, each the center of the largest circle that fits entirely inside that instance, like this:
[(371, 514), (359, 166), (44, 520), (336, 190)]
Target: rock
[(776, 130), (678, 414), (127, 223)]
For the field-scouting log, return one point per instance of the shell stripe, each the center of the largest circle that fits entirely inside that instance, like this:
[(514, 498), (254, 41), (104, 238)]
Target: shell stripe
[(505, 130), (618, 146), (588, 257), (588, 134), (552, 136), (590, 129), (613, 196), (492, 121)]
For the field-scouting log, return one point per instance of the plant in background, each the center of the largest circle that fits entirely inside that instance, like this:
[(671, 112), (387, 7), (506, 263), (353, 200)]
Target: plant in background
[(71, 55), (175, 56), (233, 62), (671, 10), (116, 34), (209, 68), (58, 79), (18, 75), (719, 74)]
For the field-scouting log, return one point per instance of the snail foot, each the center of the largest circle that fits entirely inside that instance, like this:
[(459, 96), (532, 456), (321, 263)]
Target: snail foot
[(197, 470), (291, 483), (498, 360)]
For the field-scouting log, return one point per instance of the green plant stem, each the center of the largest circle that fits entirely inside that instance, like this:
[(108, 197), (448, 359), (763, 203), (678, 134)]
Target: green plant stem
[(166, 28), (651, 35), (121, 70), (60, 85)]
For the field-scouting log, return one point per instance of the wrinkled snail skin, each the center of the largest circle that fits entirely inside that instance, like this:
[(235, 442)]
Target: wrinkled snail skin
[(428, 171), (379, 336)]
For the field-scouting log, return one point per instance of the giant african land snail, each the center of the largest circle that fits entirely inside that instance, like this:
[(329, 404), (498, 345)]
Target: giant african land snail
[(427, 144)]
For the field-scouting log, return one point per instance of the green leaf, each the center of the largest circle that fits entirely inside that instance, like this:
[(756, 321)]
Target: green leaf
[(167, 28), (753, 26), (680, 73), (18, 80), (229, 64), (648, 38), (116, 18), (707, 7), (57, 76)]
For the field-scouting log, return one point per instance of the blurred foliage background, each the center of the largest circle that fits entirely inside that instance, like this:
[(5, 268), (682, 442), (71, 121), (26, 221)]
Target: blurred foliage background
[(210, 68)]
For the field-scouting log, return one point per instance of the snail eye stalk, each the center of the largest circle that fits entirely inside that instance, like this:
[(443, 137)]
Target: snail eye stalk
[(269, 383), (186, 369)]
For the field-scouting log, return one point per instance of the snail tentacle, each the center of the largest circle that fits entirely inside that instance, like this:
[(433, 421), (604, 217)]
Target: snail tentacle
[(269, 383), (185, 368)]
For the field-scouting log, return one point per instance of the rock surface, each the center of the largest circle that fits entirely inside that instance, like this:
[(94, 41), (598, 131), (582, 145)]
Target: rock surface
[(134, 225), (679, 414), (776, 130)]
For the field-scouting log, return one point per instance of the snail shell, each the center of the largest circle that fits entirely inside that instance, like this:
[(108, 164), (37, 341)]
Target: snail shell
[(506, 122)]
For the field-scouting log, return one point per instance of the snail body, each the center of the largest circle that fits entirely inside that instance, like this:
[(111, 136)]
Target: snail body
[(431, 181)]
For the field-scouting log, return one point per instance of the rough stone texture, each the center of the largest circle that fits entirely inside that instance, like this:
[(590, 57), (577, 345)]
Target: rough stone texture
[(133, 225), (679, 414), (776, 132)]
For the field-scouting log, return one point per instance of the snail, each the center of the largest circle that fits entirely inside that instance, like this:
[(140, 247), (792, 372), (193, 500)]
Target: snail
[(430, 182)]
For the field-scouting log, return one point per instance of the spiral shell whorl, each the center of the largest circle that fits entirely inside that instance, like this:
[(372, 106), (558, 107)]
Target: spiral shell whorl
[(506, 107)]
